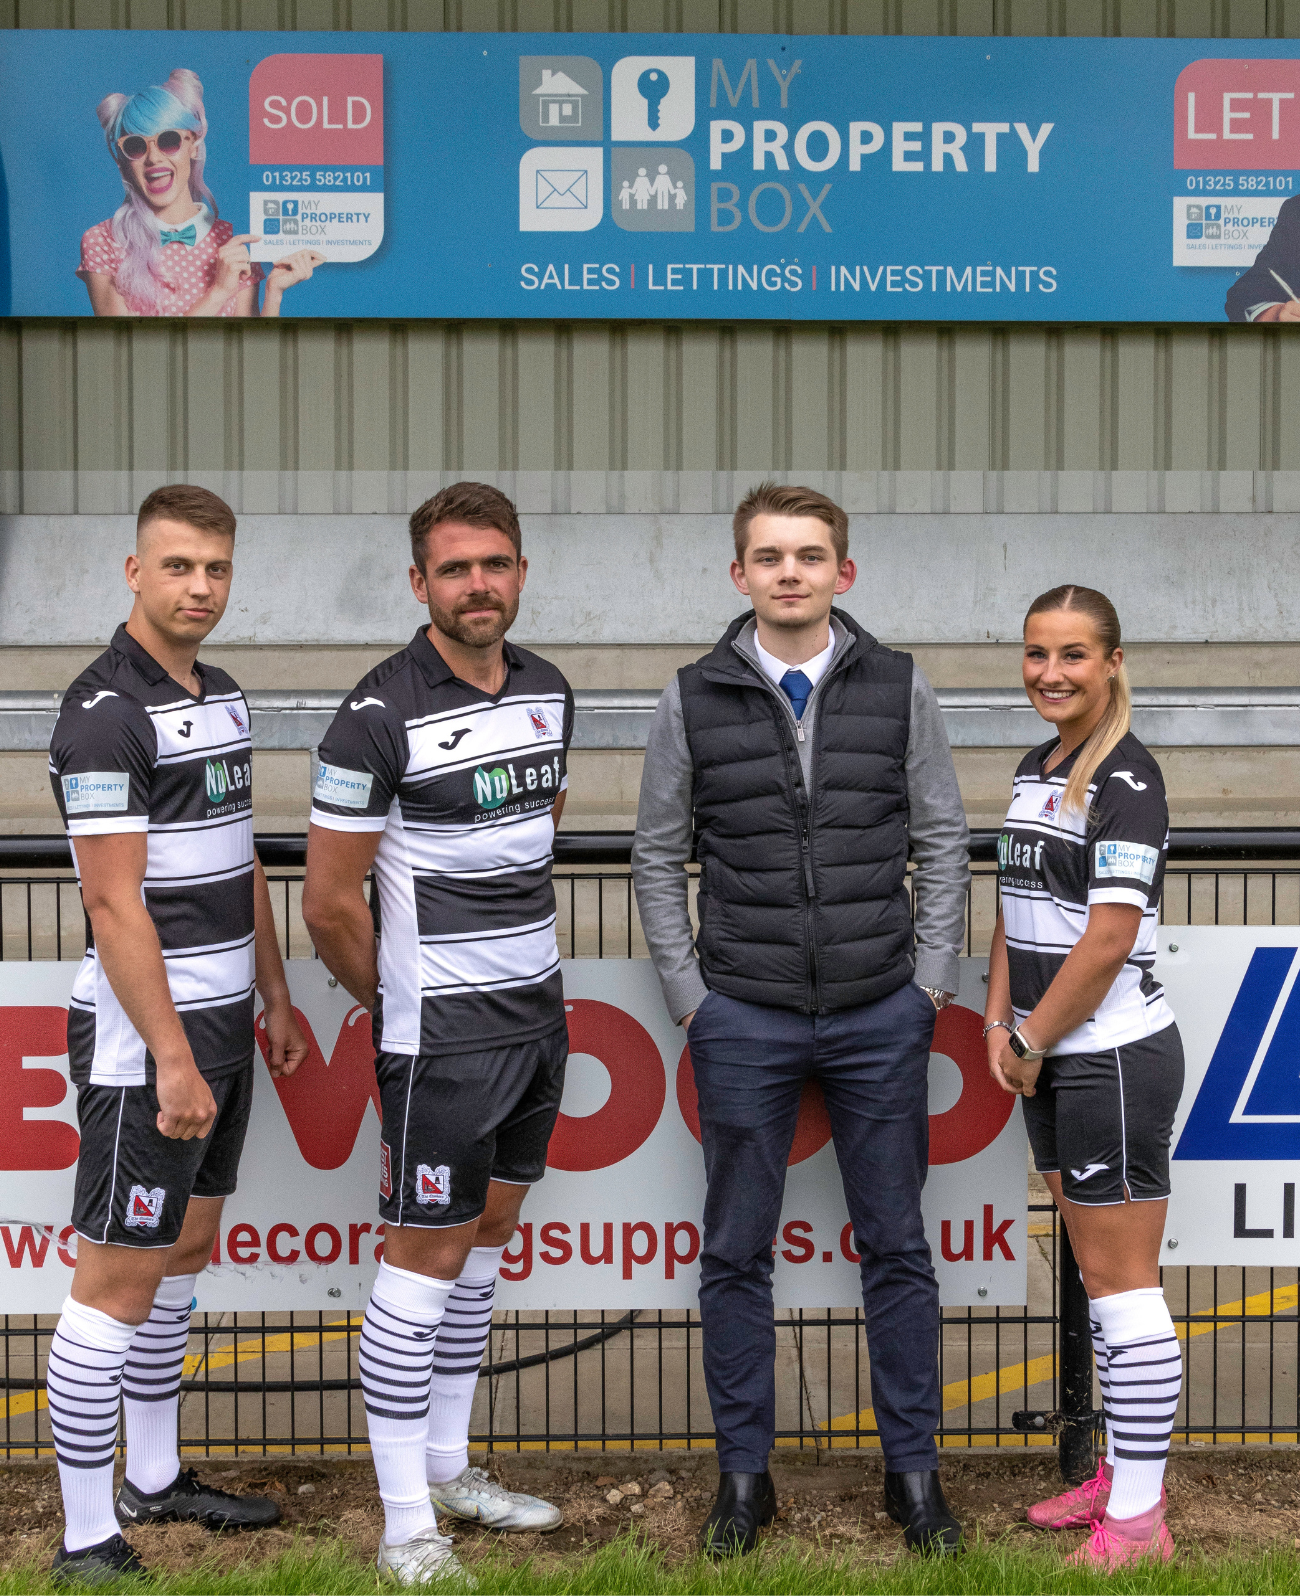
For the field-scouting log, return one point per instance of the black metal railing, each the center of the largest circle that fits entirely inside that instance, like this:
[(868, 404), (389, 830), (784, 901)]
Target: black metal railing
[(1011, 1377)]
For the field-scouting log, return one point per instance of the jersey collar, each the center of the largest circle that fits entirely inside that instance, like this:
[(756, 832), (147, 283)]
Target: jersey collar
[(144, 662), (139, 656), (1063, 768), (436, 670)]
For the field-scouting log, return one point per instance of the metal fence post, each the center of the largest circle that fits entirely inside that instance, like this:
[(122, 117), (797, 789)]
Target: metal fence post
[(1078, 1419)]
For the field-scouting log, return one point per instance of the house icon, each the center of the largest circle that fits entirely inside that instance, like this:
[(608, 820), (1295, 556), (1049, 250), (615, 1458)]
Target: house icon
[(558, 102)]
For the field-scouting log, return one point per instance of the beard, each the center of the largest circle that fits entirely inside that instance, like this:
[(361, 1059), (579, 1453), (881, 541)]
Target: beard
[(479, 631)]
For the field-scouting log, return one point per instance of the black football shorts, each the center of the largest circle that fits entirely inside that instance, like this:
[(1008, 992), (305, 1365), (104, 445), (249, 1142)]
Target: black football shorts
[(1103, 1121), (133, 1183), (454, 1122)]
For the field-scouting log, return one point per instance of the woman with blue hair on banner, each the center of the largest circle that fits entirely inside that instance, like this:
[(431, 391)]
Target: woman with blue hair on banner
[(164, 252)]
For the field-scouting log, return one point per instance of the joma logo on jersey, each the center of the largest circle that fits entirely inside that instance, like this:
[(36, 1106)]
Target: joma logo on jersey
[(144, 1208), (216, 781), (491, 787), (1248, 1106)]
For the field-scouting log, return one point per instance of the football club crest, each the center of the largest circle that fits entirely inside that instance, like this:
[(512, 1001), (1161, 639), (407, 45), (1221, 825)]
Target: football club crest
[(144, 1208), (537, 718), (238, 720), (433, 1186), (1052, 807)]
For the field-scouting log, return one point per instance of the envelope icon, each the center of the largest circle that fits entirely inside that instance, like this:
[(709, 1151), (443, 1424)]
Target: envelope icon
[(562, 189)]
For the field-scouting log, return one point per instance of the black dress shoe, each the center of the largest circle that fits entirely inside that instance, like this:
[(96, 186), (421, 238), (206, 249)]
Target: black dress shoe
[(915, 1500), (746, 1502)]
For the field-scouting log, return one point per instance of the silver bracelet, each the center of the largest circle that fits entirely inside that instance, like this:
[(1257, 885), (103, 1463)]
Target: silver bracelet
[(994, 1025)]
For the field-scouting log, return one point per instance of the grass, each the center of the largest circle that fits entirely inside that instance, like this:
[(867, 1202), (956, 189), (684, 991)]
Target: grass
[(630, 1567)]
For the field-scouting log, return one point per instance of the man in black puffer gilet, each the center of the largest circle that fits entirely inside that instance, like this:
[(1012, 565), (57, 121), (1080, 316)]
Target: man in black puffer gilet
[(803, 897), (804, 764)]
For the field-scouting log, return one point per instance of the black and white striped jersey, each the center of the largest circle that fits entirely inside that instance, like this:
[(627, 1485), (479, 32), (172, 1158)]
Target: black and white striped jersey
[(461, 786), (1052, 868), (133, 751)]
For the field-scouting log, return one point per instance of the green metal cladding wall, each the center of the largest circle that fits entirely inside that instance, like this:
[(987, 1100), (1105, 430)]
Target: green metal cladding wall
[(80, 398)]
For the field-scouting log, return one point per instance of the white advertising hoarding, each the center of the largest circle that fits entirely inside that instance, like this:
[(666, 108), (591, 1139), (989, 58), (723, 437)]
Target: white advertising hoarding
[(616, 1222), (1236, 1146)]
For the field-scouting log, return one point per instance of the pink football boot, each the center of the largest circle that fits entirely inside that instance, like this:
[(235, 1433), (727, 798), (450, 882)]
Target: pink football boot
[(1120, 1542), (1074, 1509)]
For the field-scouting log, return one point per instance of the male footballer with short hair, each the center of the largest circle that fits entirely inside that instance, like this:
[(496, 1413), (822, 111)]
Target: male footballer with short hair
[(151, 768), (444, 773)]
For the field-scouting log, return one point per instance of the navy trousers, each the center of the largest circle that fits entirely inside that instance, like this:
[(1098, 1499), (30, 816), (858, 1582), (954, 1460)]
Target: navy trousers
[(750, 1066)]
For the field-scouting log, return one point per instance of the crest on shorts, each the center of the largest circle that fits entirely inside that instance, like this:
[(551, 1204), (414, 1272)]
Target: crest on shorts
[(144, 1208), (537, 719), (385, 1170), (433, 1186), (1051, 808)]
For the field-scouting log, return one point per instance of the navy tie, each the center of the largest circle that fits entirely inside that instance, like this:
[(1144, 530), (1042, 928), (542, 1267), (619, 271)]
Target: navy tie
[(797, 688)]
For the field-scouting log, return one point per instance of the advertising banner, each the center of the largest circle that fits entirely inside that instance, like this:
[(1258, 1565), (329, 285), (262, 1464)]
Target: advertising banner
[(675, 176), (1236, 1150), (615, 1223)]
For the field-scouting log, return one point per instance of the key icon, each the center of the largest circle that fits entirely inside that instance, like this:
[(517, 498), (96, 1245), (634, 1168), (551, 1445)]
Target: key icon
[(652, 85)]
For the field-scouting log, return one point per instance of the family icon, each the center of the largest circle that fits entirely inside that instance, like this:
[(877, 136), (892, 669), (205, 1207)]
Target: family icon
[(662, 188)]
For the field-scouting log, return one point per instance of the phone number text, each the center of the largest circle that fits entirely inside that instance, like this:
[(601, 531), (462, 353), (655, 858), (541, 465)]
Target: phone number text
[(1244, 183), (315, 177)]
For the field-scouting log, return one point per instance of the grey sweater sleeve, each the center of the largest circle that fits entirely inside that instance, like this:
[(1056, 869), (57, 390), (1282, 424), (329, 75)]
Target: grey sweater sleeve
[(940, 843), (663, 845)]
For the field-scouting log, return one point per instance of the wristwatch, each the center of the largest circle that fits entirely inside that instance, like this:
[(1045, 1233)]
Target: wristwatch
[(939, 998), (1021, 1048)]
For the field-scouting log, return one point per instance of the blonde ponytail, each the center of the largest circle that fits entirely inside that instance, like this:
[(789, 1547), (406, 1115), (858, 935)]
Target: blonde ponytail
[(1105, 737), (1115, 722)]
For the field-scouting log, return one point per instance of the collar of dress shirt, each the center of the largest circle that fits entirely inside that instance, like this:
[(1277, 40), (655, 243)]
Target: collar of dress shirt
[(814, 669)]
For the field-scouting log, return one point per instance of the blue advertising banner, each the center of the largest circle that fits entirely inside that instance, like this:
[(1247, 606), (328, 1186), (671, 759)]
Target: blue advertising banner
[(649, 176)]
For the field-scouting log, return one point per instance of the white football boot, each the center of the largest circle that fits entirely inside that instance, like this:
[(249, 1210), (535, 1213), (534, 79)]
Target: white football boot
[(426, 1557), (474, 1496)]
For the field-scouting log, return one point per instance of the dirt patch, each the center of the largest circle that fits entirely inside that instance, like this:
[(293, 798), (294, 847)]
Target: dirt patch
[(1246, 1497)]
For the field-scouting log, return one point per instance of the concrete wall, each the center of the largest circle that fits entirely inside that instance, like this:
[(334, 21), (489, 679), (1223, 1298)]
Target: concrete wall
[(604, 580), (1208, 597)]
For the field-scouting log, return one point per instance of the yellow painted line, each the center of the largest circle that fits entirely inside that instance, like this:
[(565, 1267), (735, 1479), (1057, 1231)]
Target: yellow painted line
[(1021, 1376), (35, 1401)]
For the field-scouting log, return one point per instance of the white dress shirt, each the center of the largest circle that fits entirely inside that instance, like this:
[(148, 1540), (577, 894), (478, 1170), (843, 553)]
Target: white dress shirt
[(814, 669)]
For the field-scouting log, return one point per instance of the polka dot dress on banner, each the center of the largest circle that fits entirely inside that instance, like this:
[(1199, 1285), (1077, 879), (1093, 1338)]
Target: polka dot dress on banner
[(188, 269)]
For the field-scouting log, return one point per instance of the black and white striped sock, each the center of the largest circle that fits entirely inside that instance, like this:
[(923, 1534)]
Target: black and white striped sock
[(396, 1360), (457, 1354), (84, 1383), (1146, 1379), (1102, 1361), (151, 1386)]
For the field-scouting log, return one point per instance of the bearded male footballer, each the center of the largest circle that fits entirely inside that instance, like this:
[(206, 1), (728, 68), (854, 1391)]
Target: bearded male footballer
[(151, 764), (444, 774)]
